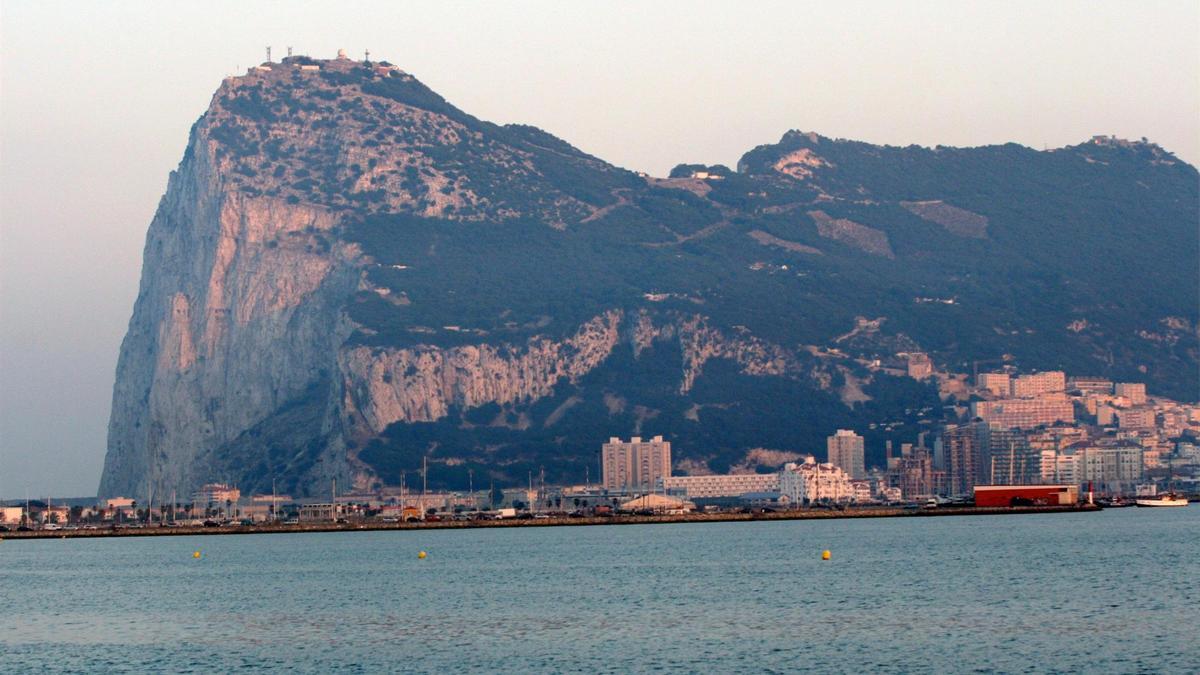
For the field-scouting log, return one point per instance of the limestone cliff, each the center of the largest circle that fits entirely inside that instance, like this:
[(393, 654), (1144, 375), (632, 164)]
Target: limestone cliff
[(236, 314)]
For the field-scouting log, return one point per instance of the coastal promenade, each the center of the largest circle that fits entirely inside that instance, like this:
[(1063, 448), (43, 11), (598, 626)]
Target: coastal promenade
[(371, 525)]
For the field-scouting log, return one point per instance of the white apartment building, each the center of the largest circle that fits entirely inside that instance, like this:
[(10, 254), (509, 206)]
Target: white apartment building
[(636, 464), (1059, 468), (815, 482), (732, 485), (1115, 468)]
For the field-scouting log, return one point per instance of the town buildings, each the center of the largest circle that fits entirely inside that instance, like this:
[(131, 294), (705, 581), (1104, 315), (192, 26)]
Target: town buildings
[(846, 450), (635, 464)]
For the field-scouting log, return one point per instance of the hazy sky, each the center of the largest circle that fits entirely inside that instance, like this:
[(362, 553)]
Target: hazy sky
[(96, 99)]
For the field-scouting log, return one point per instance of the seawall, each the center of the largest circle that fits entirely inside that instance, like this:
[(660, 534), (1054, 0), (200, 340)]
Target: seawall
[(360, 526)]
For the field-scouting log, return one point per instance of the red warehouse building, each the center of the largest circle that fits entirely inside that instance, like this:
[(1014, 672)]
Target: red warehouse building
[(1026, 495)]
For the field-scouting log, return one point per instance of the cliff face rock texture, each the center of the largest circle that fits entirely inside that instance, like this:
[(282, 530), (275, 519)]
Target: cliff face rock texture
[(349, 278), (237, 313)]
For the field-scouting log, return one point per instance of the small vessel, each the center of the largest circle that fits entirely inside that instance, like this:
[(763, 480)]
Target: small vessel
[(1169, 499), (1115, 503)]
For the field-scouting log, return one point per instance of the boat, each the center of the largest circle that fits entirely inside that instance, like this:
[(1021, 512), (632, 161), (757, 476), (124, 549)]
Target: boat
[(1114, 503), (1169, 499)]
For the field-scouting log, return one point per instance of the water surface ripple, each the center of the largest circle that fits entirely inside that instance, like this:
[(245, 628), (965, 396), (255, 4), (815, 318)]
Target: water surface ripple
[(1113, 592)]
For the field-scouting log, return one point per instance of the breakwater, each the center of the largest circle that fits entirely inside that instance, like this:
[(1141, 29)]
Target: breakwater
[(374, 525)]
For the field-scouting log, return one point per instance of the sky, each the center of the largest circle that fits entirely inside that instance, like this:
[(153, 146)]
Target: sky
[(96, 100)]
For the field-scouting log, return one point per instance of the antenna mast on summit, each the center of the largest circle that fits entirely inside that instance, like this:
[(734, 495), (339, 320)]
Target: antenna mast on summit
[(268, 54), (289, 52)]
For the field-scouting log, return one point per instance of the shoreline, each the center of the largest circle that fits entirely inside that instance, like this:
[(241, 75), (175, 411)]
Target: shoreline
[(814, 514)]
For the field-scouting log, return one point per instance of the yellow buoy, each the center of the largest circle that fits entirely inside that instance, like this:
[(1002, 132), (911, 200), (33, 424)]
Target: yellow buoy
[(421, 555), (825, 555), (196, 554)]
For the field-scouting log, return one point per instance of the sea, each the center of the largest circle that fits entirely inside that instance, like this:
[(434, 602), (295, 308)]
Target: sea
[(1112, 592)]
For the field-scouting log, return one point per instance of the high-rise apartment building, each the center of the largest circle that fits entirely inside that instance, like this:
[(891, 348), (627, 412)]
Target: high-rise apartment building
[(635, 465), (1011, 459), (846, 450), (913, 473), (961, 445)]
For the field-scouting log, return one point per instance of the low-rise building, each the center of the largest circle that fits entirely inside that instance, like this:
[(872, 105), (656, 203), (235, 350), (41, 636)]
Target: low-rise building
[(658, 504), (1026, 495), (310, 513), (11, 515), (729, 485)]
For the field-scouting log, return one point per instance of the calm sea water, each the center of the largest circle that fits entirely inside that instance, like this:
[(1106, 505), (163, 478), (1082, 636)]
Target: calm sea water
[(1117, 591)]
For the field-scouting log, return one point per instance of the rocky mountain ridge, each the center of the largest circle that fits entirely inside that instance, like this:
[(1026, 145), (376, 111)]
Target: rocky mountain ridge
[(348, 275)]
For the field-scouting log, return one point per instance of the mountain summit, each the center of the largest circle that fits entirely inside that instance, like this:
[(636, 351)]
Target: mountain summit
[(348, 275)]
